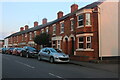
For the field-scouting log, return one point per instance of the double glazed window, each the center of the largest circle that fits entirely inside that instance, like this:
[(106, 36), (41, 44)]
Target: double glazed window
[(72, 25), (46, 29), (54, 29), (30, 35), (80, 20), (81, 42), (88, 42), (58, 44), (88, 22), (62, 27)]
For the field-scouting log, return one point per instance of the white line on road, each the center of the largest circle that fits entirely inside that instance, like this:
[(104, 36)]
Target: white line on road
[(55, 75), (25, 64)]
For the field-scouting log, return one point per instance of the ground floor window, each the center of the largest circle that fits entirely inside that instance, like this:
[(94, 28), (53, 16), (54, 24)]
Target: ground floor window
[(81, 42), (85, 42), (58, 44), (88, 42), (54, 44)]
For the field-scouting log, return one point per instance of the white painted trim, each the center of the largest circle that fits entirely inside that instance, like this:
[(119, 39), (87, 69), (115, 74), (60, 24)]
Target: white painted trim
[(84, 49), (86, 34), (57, 38), (71, 36), (84, 11), (62, 22), (65, 37), (80, 26), (71, 18)]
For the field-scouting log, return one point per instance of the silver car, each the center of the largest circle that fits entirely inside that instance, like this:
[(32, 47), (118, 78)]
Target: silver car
[(50, 54)]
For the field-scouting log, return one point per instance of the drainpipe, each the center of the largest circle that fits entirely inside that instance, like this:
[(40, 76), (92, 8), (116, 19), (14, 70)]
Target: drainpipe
[(100, 52)]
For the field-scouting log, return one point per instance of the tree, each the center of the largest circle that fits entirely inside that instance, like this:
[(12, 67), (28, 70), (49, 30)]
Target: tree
[(42, 39)]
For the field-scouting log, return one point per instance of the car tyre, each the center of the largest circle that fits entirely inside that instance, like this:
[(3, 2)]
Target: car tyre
[(51, 60), (21, 54), (39, 58), (27, 55)]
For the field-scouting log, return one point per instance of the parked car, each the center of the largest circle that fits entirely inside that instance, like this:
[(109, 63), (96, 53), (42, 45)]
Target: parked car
[(50, 54), (4, 50), (29, 52), (9, 50), (17, 51)]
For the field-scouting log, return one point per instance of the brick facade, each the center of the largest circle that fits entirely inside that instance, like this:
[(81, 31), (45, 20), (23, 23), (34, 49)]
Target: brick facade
[(66, 37)]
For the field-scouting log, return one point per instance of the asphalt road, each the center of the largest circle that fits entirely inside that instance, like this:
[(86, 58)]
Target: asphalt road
[(22, 67)]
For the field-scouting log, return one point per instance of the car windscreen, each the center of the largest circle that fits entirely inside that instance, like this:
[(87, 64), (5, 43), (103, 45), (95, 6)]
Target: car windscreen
[(53, 50), (31, 49)]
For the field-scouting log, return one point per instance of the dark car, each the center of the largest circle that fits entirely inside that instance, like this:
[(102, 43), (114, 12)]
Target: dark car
[(4, 50), (9, 50), (29, 52)]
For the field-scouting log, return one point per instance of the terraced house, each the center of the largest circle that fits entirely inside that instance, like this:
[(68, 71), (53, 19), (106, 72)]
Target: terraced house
[(82, 33)]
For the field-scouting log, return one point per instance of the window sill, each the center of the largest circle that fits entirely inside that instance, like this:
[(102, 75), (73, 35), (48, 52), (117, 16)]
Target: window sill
[(80, 26), (54, 34), (61, 32), (88, 25), (84, 49)]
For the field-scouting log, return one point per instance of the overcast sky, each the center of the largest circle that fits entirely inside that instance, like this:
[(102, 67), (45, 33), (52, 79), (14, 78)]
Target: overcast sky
[(14, 15)]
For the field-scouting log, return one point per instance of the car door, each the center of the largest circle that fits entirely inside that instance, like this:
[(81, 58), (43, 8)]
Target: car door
[(47, 54)]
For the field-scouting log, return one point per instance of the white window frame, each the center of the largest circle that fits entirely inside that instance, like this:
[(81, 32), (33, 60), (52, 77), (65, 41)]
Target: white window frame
[(81, 42), (62, 28), (47, 30), (54, 29), (42, 30), (58, 44), (89, 42), (17, 38), (22, 37), (72, 24), (53, 44), (35, 33), (80, 20), (30, 34), (88, 18)]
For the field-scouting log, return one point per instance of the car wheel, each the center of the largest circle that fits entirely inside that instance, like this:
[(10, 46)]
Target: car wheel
[(27, 55), (51, 60), (39, 58), (21, 54)]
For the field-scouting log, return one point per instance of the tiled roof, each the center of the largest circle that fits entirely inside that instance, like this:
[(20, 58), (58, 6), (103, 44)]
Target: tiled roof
[(90, 6)]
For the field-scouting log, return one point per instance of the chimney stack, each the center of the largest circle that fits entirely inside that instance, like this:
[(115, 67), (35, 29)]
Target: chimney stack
[(21, 28), (74, 7), (44, 21), (26, 27), (35, 23), (60, 14)]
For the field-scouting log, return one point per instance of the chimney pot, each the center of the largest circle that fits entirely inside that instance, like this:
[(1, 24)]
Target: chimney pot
[(35, 23), (21, 28), (44, 21), (60, 14), (74, 7), (26, 27)]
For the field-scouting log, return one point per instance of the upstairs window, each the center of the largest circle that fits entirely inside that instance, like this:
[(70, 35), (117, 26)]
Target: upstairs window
[(72, 24), (54, 29), (62, 27), (35, 33), (42, 30), (46, 29), (80, 20), (30, 35), (88, 22)]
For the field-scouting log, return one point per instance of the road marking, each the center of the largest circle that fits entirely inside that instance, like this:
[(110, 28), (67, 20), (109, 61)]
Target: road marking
[(55, 75), (25, 64)]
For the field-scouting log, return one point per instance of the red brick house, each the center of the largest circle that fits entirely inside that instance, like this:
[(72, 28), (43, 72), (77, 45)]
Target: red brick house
[(76, 33)]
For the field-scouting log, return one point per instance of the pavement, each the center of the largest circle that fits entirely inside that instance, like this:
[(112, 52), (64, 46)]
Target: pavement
[(111, 67)]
